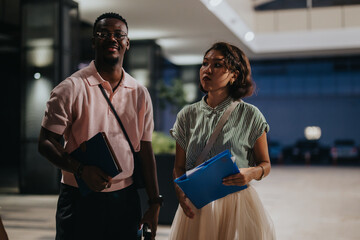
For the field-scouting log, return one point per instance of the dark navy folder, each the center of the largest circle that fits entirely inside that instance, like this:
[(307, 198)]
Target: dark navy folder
[(204, 184), (96, 152)]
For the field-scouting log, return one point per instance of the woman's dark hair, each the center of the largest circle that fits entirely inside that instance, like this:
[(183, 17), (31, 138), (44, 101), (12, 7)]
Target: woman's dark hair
[(109, 15), (237, 62)]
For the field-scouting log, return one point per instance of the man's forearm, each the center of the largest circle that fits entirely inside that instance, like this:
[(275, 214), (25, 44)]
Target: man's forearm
[(50, 147), (149, 169)]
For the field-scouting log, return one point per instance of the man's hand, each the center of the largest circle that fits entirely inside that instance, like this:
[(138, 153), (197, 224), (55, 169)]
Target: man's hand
[(95, 178), (151, 217), (151, 185)]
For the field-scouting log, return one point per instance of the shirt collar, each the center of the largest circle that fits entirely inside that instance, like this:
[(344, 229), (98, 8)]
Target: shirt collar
[(94, 78), (219, 108)]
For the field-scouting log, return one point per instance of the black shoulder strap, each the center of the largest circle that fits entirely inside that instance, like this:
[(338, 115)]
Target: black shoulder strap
[(116, 116)]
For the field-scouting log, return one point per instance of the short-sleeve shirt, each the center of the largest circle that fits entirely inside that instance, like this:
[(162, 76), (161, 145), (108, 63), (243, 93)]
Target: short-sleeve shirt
[(196, 122), (78, 111)]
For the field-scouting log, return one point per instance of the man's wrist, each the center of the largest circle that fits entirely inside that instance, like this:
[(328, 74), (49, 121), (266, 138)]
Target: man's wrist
[(156, 200)]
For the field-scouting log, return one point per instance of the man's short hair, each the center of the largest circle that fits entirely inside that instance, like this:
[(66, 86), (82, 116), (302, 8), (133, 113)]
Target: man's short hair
[(110, 15)]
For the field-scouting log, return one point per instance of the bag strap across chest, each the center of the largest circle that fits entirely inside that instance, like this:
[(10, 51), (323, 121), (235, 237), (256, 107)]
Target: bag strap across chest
[(216, 132)]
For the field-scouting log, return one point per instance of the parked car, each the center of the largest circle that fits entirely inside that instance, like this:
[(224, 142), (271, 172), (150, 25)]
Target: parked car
[(307, 151), (344, 150), (275, 152)]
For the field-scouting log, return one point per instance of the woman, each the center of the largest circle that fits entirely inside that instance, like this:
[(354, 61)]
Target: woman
[(225, 76)]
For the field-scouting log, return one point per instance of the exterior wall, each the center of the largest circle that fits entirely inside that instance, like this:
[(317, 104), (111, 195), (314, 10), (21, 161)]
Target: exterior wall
[(337, 117), (294, 94)]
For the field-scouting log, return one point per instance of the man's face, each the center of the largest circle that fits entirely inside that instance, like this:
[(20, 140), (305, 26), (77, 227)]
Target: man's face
[(110, 40)]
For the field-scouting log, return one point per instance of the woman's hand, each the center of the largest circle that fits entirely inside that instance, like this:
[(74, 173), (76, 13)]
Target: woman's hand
[(240, 179), (179, 169), (184, 203), (247, 174)]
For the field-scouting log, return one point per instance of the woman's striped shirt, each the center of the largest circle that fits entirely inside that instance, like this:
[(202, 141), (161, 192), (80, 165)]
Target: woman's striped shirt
[(196, 122)]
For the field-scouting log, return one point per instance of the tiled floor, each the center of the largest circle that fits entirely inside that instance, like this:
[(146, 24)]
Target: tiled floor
[(32, 217), (306, 203)]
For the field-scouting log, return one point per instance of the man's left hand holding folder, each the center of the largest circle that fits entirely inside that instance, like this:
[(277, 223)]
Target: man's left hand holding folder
[(96, 179)]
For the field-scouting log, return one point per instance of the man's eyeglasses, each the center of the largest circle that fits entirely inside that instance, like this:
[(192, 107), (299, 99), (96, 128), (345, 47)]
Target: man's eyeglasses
[(105, 35)]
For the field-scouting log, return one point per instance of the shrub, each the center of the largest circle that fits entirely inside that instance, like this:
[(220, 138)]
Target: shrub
[(163, 143)]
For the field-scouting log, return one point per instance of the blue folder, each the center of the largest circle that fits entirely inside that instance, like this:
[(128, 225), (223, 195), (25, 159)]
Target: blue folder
[(96, 151), (204, 185)]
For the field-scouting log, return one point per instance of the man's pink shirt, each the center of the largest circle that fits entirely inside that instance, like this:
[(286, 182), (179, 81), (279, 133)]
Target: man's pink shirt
[(78, 110)]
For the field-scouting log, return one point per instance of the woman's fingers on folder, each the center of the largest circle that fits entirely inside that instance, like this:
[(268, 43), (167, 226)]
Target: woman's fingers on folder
[(239, 179), (234, 180)]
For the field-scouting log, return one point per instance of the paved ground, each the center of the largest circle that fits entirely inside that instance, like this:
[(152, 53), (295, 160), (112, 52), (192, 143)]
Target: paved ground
[(306, 203)]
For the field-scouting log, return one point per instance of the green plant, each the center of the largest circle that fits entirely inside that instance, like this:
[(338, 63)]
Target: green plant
[(163, 143), (173, 94)]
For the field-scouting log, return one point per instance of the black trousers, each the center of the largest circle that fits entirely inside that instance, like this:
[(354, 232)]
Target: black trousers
[(114, 215)]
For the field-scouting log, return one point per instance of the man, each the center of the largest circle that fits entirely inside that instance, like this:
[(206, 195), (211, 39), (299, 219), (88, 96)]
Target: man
[(76, 111), (3, 234)]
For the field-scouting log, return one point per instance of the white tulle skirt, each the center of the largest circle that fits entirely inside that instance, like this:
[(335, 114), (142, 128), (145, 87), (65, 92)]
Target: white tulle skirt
[(238, 216)]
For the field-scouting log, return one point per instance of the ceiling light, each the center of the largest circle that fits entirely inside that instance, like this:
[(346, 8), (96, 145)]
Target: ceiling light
[(214, 3), (186, 59), (171, 43), (139, 34), (37, 75), (249, 36), (41, 52), (229, 16)]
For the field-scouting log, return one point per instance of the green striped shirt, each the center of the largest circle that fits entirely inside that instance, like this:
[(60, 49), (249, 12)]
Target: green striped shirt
[(196, 122)]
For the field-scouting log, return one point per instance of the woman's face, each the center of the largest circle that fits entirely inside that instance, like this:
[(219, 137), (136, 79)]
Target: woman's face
[(214, 76)]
